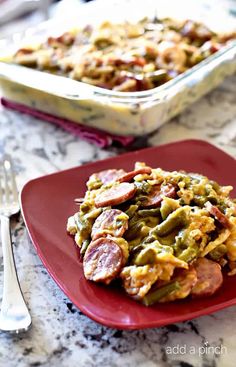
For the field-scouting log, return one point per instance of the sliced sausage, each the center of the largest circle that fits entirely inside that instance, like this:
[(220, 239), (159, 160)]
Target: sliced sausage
[(130, 175), (218, 215), (115, 195), (168, 191), (186, 278), (124, 246), (103, 260), (108, 175), (155, 197), (111, 221), (209, 277)]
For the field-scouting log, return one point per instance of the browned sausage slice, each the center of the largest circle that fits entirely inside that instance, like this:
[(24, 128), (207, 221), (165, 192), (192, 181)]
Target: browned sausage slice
[(115, 195), (213, 210), (130, 175), (111, 221), (103, 260), (156, 196), (168, 191), (108, 175), (209, 277)]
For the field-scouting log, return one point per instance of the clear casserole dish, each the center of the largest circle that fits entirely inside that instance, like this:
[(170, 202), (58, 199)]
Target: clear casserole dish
[(121, 113)]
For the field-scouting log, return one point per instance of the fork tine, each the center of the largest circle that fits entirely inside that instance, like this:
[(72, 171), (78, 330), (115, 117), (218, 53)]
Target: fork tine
[(8, 168), (1, 191), (6, 186)]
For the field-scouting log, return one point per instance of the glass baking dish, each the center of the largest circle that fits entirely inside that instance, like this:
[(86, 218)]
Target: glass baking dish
[(121, 113)]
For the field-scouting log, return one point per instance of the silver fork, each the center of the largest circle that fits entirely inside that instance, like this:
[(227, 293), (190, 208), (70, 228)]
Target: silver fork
[(14, 315)]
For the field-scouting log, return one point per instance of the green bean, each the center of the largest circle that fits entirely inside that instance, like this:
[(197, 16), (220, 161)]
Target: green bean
[(218, 252), (145, 256), (84, 208), (215, 185), (200, 200), (168, 205), (186, 180), (143, 187), (186, 247), (139, 199), (147, 253), (179, 244), (149, 212), (134, 231), (155, 296), (135, 250), (84, 246), (213, 200), (156, 76), (174, 220), (168, 240), (151, 238), (78, 221), (133, 220), (189, 254), (93, 214), (165, 210), (162, 248), (182, 202), (209, 190), (94, 184), (196, 58), (222, 205), (84, 226), (149, 220), (131, 211), (211, 195)]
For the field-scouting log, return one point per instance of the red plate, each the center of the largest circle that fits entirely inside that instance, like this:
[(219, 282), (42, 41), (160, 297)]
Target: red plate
[(48, 201)]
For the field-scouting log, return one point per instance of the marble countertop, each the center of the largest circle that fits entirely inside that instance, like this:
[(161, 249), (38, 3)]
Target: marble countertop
[(61, 335)]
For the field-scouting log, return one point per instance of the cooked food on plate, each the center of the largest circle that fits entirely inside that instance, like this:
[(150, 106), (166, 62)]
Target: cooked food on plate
[(125, 57), (163, 235)]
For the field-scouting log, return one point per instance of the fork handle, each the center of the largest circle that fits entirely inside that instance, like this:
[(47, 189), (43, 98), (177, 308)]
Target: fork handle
[(14, 316)]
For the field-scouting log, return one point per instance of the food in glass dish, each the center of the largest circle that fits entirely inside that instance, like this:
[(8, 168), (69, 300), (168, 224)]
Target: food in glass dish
[(125, 57), (164, 235)]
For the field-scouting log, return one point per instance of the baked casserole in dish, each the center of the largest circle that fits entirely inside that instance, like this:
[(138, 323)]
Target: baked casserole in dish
[(124, 77)]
